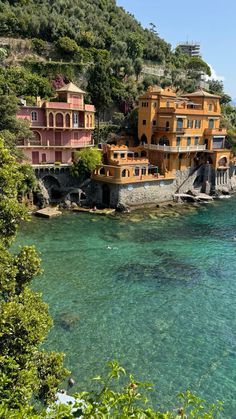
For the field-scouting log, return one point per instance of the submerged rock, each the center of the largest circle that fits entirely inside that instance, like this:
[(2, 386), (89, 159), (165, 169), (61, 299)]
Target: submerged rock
[(67, 321)]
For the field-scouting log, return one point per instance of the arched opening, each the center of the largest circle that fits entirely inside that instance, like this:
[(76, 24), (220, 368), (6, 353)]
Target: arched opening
[(59, 120), (164, 141), (136, 171), (136, 154), (125, 173), (106, 195), (101, 171), (53, 187), (67, 120), (143, 139), (143, 153), (144, 171), (51, 119), (36, 140), (206, 143)]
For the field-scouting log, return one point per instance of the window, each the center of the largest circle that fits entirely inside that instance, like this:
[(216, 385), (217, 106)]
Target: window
[(122, 156), (167, 104), (144, 170), (136, 171), (155, 104), (196, 140), (34, 116), (178, 141), (197, 124), (211, 123), (188, 141), (189, 123), (115, 155), (75, 120), (154, 122), (144, 121), (210, 107)]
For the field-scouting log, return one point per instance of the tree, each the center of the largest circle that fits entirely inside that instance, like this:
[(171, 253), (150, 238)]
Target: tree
[(25, 371), (99, 87), (85, 161)]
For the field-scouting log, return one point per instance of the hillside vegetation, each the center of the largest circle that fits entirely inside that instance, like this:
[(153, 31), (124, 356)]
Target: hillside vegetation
[(94, 43)]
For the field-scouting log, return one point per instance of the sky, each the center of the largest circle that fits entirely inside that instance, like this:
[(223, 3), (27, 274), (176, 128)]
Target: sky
[(210, 22)]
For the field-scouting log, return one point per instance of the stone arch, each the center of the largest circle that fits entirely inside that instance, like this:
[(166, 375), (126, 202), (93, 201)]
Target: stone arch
[(53, 187), (59, 119), (37, 138)]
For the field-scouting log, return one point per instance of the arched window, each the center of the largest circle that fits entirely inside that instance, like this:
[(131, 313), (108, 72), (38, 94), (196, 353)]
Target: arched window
[(68, 120), (59, 120), (144, 170), (188, 141), (51, 119), (135, 154), (34, 116), (136, 171)]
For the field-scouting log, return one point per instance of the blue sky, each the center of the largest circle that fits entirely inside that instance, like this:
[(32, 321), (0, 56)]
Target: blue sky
[(211, 22)]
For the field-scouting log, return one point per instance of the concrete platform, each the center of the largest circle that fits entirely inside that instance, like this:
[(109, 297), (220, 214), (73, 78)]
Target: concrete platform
[(48, 212)]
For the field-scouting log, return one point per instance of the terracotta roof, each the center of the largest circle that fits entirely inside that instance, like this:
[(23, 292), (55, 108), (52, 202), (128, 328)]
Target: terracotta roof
[(201, 93), (70, 87)]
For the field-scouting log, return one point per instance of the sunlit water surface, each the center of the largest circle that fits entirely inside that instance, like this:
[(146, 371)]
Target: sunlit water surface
[(156, 293)]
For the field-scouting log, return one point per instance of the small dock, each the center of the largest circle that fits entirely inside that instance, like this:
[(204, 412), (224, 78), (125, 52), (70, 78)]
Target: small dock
[(48, 212)]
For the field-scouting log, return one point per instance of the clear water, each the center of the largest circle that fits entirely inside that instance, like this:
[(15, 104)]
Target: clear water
[(156, 293)]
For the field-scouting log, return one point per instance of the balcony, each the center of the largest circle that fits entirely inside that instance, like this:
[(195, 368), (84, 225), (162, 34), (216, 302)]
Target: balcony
[(175, 149), (215, 131)]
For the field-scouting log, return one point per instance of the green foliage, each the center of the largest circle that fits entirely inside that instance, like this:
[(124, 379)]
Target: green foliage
[(67, 45), (114, 400), (197, 64), (85, 161), (38, 45), (11, 212), (25, 372)]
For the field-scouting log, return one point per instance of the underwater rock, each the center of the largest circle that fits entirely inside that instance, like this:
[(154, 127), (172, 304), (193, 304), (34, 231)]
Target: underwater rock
[(67, 321)]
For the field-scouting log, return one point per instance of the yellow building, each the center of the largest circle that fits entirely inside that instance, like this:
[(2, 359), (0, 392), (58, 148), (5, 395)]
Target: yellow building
[(182, 132), (122, 165)]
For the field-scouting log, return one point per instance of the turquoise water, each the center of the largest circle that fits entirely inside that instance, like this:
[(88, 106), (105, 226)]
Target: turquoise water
[(156, 293)]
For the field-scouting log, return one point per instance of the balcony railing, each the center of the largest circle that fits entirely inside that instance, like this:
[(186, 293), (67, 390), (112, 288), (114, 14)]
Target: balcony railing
[(215, 131), (175, 149)]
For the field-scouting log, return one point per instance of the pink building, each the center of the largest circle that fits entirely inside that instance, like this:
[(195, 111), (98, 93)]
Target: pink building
[(60, 127)]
